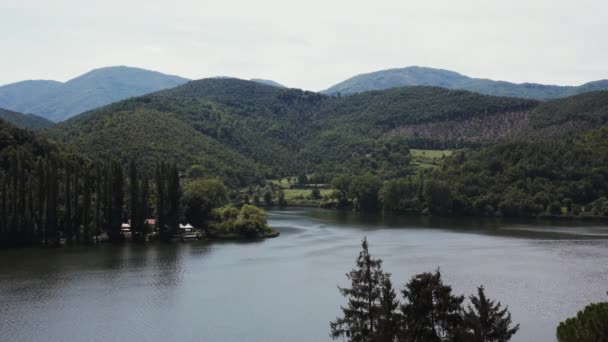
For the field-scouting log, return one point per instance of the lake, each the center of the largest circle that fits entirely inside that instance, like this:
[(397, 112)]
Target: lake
[(285, 289)]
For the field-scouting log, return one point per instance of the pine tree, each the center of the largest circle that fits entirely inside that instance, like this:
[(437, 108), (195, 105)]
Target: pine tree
[(431, 313), (360, 315), (389, 320), (486, 321)]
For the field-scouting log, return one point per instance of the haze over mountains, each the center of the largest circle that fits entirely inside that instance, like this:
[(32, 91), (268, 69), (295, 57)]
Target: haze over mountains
[(58, 101), (421, 76)]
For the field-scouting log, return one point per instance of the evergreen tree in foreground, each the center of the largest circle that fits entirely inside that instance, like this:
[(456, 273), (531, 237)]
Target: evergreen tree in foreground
[(389, 320), (360, 319), (589, 325), (431, 312), (486, 321)]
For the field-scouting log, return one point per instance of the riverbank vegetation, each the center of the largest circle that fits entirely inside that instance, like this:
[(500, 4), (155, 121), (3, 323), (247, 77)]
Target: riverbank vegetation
[(566, 177), (429, 310), (49, 197)]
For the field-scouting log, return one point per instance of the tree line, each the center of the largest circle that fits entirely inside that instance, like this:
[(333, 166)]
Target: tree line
[(429, 311), (516, 179), (58, 197)]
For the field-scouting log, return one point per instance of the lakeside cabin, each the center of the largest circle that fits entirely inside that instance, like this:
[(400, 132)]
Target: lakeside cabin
[(187, 232), (125, 230)]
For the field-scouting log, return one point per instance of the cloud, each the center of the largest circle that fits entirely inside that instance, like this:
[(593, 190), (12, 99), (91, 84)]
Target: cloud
[(307, 44)]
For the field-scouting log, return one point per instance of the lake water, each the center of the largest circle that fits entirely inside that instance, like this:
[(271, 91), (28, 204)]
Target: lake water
[(284, 289)]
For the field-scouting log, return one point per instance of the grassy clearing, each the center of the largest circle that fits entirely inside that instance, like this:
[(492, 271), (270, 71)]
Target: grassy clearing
[(291, 194), (426, 159)]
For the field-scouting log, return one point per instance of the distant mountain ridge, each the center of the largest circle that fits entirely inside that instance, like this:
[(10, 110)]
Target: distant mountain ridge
[(423, 76), (58, 101), (27, 121), (268, 82)]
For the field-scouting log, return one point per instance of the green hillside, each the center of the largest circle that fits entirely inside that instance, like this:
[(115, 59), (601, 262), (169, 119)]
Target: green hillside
[(29, 145), (28, 121), (245, 131), (531, 178)]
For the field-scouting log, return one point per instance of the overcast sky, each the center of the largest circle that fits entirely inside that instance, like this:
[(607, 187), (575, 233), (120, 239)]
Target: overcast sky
[(308, 44)]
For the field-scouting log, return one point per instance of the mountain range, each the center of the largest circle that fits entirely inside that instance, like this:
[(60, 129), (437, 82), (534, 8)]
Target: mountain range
[(422, 76), (58, 101), (244, 131)]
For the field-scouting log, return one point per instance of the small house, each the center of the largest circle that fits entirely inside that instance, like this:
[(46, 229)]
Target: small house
[(186, 228)]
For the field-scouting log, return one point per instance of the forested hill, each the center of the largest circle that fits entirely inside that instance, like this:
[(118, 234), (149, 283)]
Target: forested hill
[(421, 76), (547, 120), (567, 175), (29, 121), (29, 145), (241, 129), (58, 101), (246, 130)]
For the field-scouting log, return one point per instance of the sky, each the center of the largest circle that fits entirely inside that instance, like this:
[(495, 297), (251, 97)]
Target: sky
[(307, 44)]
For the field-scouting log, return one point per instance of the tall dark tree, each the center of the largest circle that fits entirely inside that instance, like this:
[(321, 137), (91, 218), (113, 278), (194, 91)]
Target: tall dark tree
[(389, 319), (161, 196), (137, 223), (431, 313), (67, 219), (51, 232), (360, 316), (486, 321), (86, 205), (174, 196), (77, 207), (115, 201), (144, 207)]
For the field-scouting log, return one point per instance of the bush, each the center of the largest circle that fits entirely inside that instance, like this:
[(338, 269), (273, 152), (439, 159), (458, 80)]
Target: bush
[(589, 325)]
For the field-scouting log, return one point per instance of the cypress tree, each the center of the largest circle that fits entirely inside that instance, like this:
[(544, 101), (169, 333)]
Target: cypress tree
[(41, 199), (360, 316), (68, 226), (144, 211), (77, 207), (51, 203), (134, 198), (99, 199), (116, 201), (160, 199), (86, 205), (3, 212), (174, 195)]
